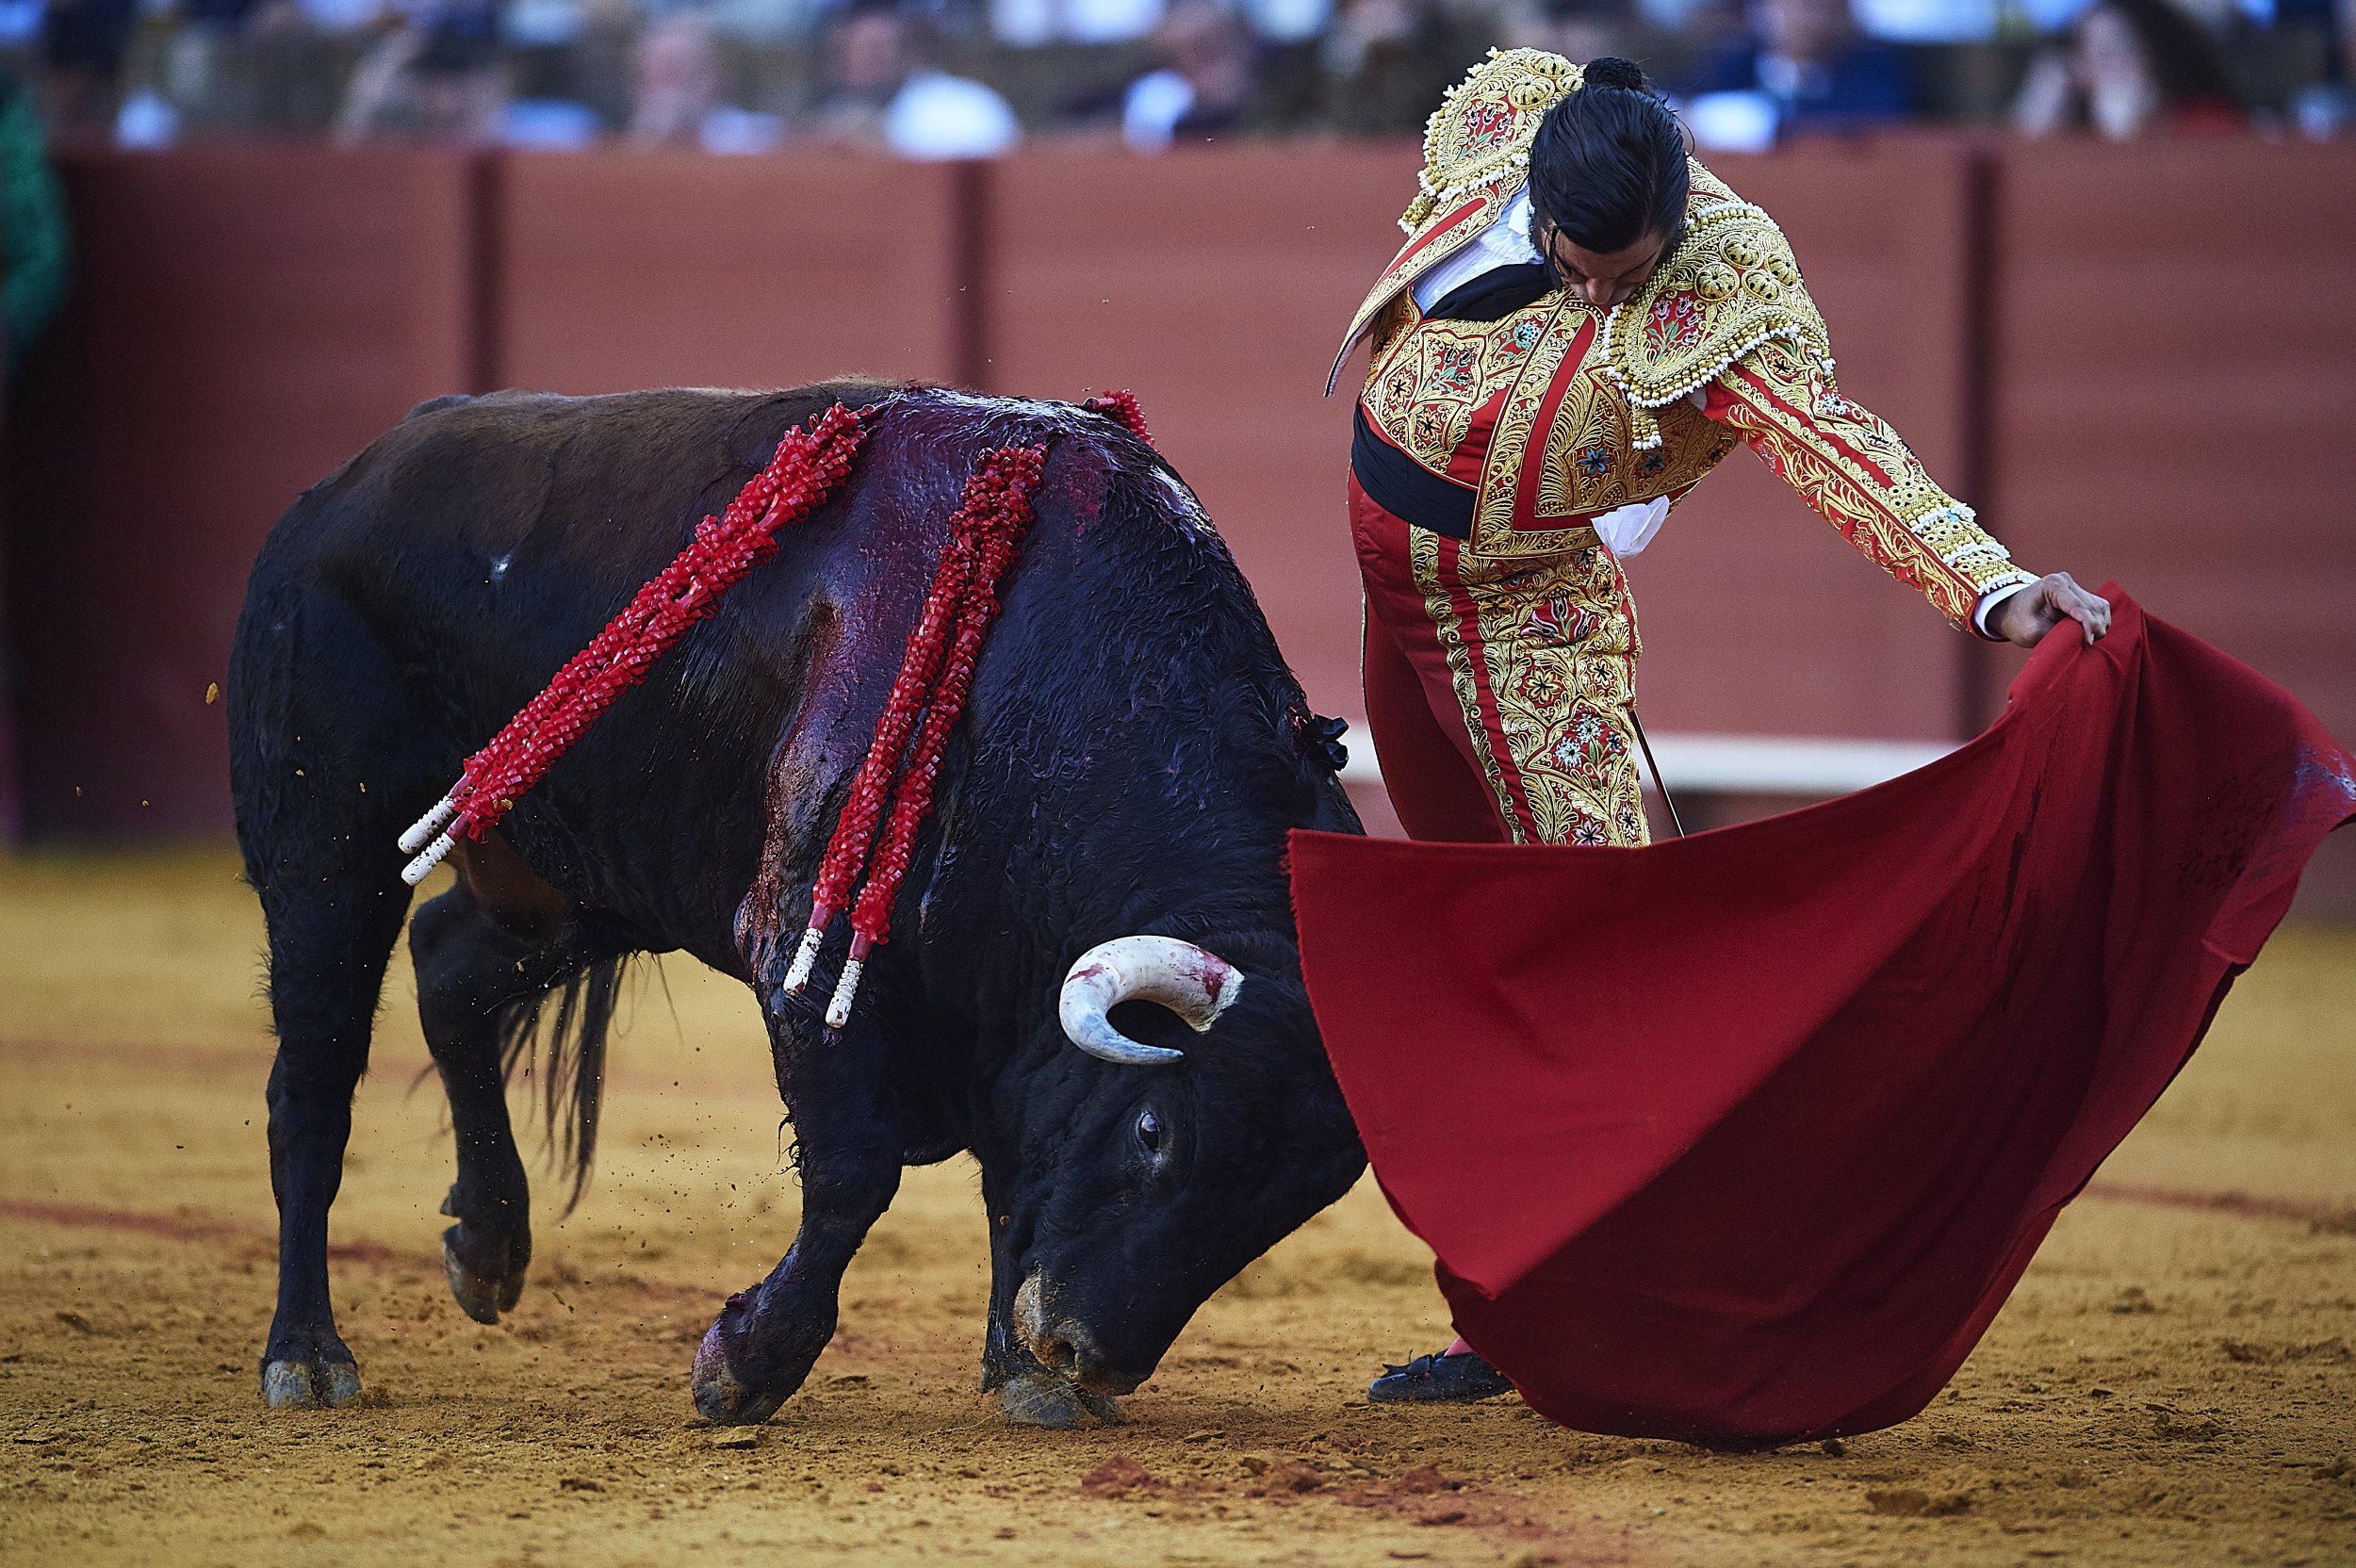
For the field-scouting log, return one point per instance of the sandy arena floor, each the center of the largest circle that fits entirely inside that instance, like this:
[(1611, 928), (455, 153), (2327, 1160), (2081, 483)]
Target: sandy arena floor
[(2175, 1382)]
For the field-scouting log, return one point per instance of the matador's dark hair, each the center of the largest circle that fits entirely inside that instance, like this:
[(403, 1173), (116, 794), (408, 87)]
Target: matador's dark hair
[(1607, 165)]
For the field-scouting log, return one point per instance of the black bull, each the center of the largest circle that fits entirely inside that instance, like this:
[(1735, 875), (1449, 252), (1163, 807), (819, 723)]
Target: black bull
[(1132, 755)]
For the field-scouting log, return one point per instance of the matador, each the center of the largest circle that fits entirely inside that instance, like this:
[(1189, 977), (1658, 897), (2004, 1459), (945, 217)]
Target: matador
[(1525, 428)]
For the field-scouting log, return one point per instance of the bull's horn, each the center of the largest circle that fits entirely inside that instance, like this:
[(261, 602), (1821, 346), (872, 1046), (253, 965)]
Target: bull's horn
[(1191, 981)]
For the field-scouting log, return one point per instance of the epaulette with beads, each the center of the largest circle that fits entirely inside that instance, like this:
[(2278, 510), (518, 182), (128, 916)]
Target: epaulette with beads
[(1483, 128)]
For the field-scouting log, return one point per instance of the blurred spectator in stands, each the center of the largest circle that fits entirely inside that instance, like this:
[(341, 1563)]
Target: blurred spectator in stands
[(1029, 23), (676, 67), (433, 77), (208, 30), (1289, 92), (1203, 87), (32, 219), (83, 44), (542, 48), (1575, 29), (2129, 67), (2325, 109), (1388, 62), (1945, 21), (881, 95), (20, 27), (245, 67), (1803, 68), (766, 24), (678, 101)]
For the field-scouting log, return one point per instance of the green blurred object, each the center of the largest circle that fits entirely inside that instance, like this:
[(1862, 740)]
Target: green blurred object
[(33, 244)]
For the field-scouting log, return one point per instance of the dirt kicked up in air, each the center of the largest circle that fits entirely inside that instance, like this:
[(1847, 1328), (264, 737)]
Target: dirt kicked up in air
[(2171, 1385)]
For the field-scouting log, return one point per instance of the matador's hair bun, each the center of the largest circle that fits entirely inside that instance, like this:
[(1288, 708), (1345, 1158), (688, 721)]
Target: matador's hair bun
[(1611, 71), (1608, 168)]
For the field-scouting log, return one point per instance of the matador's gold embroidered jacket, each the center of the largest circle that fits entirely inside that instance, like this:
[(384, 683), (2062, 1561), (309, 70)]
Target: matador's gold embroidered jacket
[(1558, 412)]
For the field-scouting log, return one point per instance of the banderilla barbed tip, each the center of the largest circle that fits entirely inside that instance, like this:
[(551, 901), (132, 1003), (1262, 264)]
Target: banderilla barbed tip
[(845, 989), (421, 832), (416, 870)]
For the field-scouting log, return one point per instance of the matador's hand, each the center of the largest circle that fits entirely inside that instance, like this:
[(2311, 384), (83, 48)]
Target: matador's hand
[(2028, 615)]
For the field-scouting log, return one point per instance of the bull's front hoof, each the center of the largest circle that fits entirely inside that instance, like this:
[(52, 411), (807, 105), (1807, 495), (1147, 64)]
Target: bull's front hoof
[(721, 1397), (310, 1384), (1042, 1400), (480, 1297)]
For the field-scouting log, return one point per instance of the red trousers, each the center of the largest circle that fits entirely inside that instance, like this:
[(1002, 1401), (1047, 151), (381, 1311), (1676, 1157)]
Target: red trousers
[(1500, 694)]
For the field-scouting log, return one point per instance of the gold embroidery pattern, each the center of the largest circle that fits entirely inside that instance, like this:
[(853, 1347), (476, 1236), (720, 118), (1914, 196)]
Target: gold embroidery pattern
[(1587, 461), (1732, 285), (1558, 654), (1423, 563), (1603, 448), (1429, 377), (1428, 381), (1394, 318), (1482, 129), (1908, 526), (1510, 446)]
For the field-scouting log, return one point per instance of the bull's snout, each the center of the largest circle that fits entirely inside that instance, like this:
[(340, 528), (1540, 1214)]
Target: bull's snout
[(1063, 1344)]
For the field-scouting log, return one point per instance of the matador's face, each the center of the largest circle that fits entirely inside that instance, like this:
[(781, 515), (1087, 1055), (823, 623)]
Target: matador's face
[(1602, 278)]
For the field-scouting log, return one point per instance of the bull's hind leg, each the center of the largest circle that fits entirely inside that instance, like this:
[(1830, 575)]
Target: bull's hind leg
[(330, 936), (487, 952), (848, 1146), (314, 719)]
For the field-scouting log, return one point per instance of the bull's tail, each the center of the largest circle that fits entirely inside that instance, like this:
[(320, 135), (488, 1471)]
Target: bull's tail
[(570, 1058)]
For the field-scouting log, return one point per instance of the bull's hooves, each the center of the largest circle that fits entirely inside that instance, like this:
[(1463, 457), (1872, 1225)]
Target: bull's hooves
[(1043, 1399), (310, 1384), (480, 1299), (721, 1398)]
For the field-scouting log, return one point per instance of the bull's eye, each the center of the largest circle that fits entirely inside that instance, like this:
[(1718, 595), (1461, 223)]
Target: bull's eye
[(1150, 1132)]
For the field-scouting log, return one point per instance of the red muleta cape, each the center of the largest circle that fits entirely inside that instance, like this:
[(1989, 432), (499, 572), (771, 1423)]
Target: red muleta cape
[(1744, 1138)]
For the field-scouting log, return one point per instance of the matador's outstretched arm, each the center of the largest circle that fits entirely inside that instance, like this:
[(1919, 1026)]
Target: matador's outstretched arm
[(1864, 480)]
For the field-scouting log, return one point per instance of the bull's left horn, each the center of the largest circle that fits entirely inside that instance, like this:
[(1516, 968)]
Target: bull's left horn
[(1193, 982)]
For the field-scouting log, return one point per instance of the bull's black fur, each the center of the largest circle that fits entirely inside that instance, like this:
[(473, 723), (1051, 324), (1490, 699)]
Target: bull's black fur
[(1130, 757)]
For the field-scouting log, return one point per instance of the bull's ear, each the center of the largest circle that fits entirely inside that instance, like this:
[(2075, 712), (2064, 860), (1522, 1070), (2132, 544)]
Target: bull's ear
[(1193, 982)]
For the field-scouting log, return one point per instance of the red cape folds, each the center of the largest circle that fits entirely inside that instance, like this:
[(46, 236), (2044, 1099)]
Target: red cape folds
[(1744, 1138)]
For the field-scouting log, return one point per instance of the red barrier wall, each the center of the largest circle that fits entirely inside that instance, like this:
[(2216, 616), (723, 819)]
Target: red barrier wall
[(618, 270), (243, 319), (2176, 363)]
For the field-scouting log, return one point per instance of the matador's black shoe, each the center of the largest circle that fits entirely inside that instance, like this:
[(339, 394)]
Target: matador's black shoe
[(1438, 1379)]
